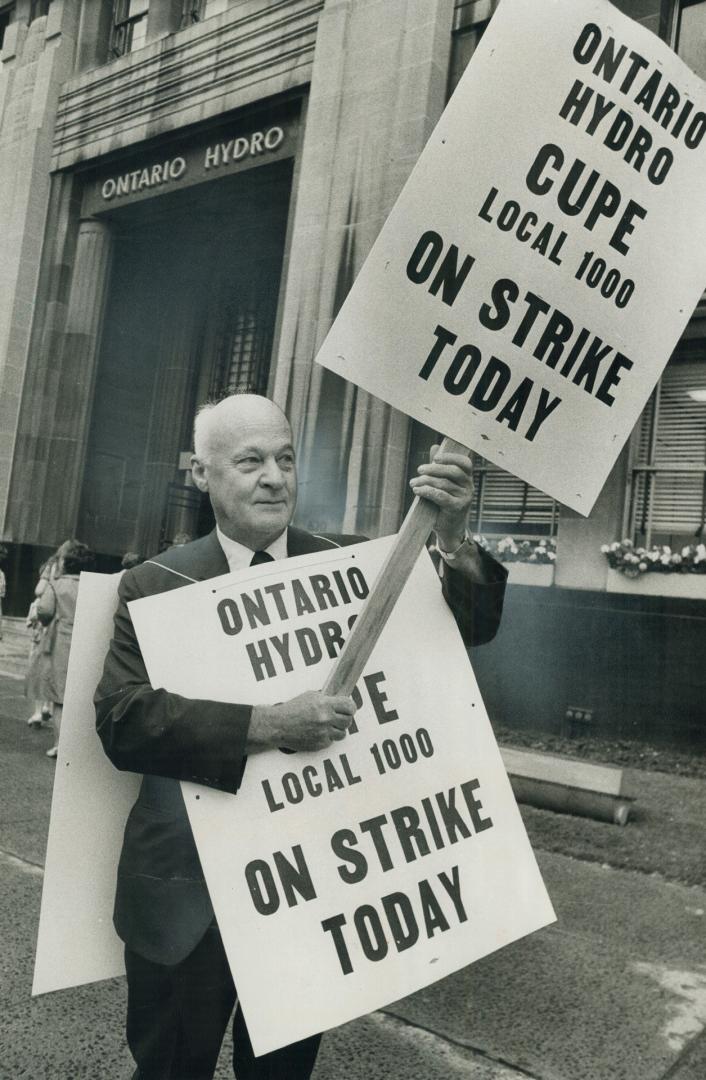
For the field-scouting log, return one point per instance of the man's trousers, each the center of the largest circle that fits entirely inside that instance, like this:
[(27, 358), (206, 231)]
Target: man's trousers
[(177, 1016)]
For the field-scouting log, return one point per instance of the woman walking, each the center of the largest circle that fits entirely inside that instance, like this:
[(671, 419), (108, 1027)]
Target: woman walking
[(56, 608)]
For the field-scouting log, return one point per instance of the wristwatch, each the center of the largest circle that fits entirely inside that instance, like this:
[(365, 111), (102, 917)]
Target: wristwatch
[(452, 556)]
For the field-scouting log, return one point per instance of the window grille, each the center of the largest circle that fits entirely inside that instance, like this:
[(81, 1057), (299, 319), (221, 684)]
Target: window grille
[(667, 494), (503, 504), (129, 26), (244, 344)]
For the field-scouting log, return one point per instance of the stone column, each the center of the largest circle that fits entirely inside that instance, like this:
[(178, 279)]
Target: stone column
[(377, 89), (73, 371)]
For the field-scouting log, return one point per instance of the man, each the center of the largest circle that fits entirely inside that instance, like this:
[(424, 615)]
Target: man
[(180, 992)]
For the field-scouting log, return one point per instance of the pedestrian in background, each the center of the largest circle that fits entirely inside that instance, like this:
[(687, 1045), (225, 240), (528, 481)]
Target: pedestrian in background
[(36, 681), (131, 559), (56, 608), (3, 583)]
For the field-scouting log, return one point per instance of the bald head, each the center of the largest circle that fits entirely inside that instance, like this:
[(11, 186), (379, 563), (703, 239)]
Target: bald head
[(244, 459), (216, 424)]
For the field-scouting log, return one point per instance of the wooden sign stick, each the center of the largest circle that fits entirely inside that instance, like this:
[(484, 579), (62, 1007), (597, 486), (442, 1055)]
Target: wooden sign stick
[(411, 538)]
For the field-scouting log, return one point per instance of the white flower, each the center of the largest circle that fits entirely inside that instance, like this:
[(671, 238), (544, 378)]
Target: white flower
[(551, 555), (665, 559), (605, 548), (643, 567), (676, 559), (686, 551)]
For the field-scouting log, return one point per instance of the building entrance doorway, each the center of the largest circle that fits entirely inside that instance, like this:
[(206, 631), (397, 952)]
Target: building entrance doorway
[(190, 317)]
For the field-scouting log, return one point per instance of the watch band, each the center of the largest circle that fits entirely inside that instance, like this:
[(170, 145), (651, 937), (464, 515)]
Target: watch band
[(451, 556)]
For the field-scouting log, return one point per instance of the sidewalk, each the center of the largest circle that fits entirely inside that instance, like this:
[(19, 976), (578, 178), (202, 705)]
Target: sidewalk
[(614, 990), (14, 648)]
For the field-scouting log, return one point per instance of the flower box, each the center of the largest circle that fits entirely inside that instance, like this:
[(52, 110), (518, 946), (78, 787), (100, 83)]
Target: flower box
[(527, 573), (687, 586)]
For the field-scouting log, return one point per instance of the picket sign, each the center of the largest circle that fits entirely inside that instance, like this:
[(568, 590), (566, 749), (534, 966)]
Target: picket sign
[(411, 538)]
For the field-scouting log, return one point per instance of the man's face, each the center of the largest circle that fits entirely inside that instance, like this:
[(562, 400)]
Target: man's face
[(249, 473)]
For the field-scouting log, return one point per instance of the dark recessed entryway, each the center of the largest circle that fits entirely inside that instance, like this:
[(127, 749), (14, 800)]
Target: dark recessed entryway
[(190, 316)]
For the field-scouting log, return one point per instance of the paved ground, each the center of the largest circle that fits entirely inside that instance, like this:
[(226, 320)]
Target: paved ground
[(615, 990)]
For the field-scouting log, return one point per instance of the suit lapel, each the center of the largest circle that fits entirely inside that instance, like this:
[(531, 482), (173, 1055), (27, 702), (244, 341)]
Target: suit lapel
[(206, 558), (300, 542)]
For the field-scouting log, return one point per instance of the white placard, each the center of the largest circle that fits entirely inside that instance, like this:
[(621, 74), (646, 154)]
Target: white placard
[(547, 251), (344, 879), (77, 943)]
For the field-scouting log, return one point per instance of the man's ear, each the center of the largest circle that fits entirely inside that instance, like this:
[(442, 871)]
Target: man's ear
[(198, 472)]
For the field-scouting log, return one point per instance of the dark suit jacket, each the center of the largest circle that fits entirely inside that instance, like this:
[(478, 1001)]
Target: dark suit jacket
[(162, 907)]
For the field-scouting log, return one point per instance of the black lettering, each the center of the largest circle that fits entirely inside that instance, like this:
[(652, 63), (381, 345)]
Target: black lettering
[(333, 926), (443, 337), (454, 824), (453, 888), (511, 412), (261, 661), (323, 592), (374, 827), (424, 257), (449, 278), (549, 154), (404, 934), (434, 918), (545, 407), (343, 844), (262, 887), (406, 822), (230, 617), (491, 385), (625, 226), (302, 602), (462, 369), (480, 824), (332, 637), (503, 290), (373, 940), (255, 609), (282, 647), (612, 378), (309, 645), (378, 698), (295, 877)]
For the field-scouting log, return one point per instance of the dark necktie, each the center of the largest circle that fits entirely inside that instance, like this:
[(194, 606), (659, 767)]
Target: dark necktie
[(261, 557)]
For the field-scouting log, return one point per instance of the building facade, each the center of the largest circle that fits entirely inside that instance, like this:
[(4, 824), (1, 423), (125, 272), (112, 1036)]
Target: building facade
[(187, 191)]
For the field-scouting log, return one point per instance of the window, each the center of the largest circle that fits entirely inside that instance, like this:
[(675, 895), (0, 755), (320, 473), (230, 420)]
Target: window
[(37, 8), (244, 333), (667, 495), (502, 505), (691, 35), (7, 12), (129, 26), (470, 20), (192, 11)]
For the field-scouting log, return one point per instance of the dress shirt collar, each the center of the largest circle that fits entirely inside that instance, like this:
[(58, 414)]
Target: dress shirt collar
[(239, 556)]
